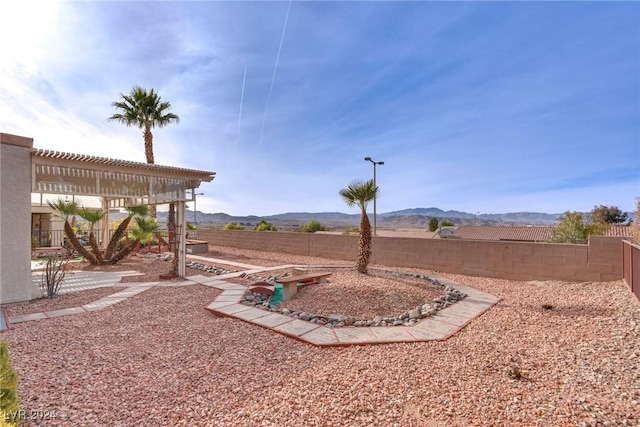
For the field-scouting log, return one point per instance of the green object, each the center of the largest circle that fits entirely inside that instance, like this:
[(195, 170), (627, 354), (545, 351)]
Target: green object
[(276, 298), (9, 401)]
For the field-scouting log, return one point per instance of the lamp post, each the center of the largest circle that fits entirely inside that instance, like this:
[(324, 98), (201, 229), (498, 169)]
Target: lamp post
[(368, 159), (195, 211)]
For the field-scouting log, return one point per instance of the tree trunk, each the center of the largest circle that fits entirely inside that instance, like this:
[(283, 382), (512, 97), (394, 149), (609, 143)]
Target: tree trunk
[(95, 248), (122, 254), (117, 235), (75, 243), (364, 244)]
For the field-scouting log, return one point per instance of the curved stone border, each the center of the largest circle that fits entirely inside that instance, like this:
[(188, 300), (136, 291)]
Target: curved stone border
[(440, 326), (408, 318)]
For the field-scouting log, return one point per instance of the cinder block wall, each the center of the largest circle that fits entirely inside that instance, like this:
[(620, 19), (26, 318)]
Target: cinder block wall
[(600, 260)]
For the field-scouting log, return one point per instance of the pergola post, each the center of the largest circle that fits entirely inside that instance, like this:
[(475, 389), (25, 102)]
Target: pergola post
[(181, 214)]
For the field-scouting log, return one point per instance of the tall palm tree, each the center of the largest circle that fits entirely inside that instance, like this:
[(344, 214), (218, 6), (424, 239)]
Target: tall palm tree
[(146, 110), (359, 194)]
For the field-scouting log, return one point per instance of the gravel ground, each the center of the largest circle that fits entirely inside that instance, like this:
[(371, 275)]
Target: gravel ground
[(550, 354)]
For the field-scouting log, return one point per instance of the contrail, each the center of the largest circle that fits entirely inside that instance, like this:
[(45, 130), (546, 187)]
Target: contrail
[(244, 79), (275, 69)]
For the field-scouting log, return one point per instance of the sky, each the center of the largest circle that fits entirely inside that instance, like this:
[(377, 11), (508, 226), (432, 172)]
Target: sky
[(487, 107)]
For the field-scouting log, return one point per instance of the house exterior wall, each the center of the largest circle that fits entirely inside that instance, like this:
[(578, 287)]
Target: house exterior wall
[(15, 219), (600, 260)]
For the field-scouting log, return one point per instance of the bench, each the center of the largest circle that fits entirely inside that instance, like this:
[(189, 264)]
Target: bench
[(290, 284)]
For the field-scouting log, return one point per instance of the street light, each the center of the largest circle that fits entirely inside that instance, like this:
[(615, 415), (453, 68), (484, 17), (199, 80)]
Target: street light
[(195, 211), (368, 159)]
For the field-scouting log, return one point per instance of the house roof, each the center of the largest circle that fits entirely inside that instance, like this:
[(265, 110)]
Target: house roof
[(517, 233), (523, 233)]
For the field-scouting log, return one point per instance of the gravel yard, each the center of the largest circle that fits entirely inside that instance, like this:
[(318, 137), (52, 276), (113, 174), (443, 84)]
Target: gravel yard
[(550, 354)]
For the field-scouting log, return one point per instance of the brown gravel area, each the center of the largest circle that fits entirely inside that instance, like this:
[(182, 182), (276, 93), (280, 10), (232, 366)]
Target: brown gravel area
[(160, 359), (362, 296)]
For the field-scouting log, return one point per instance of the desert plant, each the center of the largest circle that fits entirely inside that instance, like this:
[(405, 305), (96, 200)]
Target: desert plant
[(9, 401), (233, 226), (433, 224), (265, 226), (92, 217), (115, 244), (144, 230), (313, 226), (354, 230), (572, 228), (446, 223), (54, 272), (359, 194), (65, 209)]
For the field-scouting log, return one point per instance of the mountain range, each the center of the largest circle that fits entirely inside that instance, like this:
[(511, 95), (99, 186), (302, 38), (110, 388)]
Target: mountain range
[(406, 218)]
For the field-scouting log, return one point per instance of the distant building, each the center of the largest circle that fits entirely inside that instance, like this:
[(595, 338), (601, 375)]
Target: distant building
[(520, 233)]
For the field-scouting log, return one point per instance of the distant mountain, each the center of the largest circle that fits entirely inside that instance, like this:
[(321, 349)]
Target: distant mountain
[(406, 218), (531, 218)]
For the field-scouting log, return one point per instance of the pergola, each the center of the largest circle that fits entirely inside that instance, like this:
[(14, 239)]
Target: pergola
[(118, 183)]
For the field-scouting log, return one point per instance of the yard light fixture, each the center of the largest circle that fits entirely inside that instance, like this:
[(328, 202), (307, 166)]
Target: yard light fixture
[(368, 159)]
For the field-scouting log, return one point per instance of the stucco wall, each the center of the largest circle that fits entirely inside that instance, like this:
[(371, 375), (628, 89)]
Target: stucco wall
[(15, 218), (600, 260)]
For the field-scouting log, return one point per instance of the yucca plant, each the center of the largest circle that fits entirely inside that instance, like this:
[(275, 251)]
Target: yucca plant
[(359, 194)]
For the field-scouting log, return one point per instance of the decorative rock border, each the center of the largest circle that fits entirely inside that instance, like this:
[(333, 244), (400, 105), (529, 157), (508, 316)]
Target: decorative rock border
[(408, 318)]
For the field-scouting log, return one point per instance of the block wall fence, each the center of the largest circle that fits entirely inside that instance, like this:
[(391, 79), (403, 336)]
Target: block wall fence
[(600, 260)]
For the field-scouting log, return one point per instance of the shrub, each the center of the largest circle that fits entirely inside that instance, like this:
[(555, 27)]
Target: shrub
[(313, 226), (433, 224), (9, 401), (54, 272), (446, 223), (354, 230), (233, 226), (265, 226)]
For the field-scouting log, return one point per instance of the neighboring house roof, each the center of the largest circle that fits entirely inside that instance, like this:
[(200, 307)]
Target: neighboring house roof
[(514, 233), (524, 233), (619, 231)]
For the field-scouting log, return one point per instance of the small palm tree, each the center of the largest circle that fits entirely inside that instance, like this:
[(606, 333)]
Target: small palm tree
[(65, 209), (93, 216), (122, 229), (144, 230), (359, 194)]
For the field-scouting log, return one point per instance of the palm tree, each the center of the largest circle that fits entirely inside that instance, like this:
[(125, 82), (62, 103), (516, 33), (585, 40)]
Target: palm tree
[(144, 230), (146, 110), (359, 194), (93, 216), (122, 229), (64, 210)]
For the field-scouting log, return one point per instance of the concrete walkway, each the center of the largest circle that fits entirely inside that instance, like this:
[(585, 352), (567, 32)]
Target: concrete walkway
[(439, 327)]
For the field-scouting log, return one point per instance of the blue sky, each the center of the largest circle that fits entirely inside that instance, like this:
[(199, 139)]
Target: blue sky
[(483, 107)]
